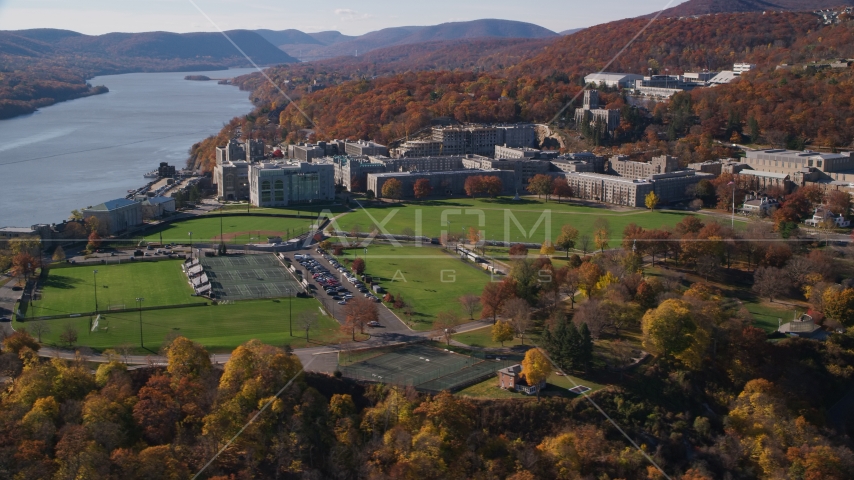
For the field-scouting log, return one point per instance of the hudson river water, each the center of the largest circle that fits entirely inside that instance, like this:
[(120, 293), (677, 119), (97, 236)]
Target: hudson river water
[(86, 151)]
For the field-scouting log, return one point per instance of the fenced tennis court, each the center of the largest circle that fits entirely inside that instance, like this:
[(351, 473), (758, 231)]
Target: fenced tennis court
[(420, 366), (245, 277)]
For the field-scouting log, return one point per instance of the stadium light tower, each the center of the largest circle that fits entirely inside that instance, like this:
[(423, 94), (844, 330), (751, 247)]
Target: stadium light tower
[(95, 284), (191, 243), (139, 301)]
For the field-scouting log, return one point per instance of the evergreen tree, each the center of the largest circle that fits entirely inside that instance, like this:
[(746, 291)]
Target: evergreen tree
[(585, 350)]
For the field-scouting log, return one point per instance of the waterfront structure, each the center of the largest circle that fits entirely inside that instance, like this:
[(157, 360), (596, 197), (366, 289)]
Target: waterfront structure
[(116, 216), (157, 207), (590, 113), (283, 184), (445, 183)]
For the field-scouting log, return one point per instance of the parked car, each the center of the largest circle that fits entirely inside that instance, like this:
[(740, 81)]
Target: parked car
[(374, 323)]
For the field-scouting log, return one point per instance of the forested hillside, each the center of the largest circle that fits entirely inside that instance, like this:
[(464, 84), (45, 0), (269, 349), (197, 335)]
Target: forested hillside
[(508, 85)]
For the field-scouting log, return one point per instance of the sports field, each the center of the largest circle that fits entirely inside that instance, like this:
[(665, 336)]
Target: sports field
[(428, 278), (236, 230), (293, 210), (72, 289), (499, 215), (420, 366), (217, 327), (244, 277)]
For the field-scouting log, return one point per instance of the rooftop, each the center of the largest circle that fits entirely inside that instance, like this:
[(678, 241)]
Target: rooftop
[(112, 205)]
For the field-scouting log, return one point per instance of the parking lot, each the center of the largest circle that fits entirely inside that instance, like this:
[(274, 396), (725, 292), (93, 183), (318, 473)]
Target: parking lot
[(336, 286)]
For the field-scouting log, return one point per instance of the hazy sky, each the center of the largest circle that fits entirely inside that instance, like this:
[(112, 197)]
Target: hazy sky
[(349, 17)]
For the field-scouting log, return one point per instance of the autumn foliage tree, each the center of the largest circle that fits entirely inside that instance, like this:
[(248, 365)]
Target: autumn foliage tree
[(359, 313), (392, 189), (422, 188)]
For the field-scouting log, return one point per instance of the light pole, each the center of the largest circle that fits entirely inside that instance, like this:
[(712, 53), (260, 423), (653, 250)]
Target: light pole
[(220, 230), (733, 203), (139, 301), (191, 243), (291, 314), (95, 285)]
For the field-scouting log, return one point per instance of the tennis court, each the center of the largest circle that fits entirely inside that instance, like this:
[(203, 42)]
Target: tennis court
[(420, 366), (245, 277)]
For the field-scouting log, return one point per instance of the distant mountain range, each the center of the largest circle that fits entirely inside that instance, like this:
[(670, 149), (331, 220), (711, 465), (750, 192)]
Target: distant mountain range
[(210, 48), (704, 7), (314, 46)]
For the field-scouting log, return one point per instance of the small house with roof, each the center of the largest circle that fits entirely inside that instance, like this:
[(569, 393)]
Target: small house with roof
[(823, 214), (157, 207), (511, 377)]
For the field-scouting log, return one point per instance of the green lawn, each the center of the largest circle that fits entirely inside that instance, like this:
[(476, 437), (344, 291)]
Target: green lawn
[(296, 209), (237, 230), (72, 290), (482, 337), (219, 328), (766, 315), (428, 278), (499, 214)]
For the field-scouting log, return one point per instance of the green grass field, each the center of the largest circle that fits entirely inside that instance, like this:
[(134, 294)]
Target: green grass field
[(236, 230), (428, 278), (765, 315), (219, 328), (72, 289), (296, 209), (499, 215)]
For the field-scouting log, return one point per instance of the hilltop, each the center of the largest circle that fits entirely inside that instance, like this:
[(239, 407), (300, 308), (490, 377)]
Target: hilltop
[(705, 7), (333, 44)]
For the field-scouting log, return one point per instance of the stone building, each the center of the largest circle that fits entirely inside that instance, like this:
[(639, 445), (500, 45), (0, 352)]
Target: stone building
[(362, 148), (444, 183), (523, 169), (622, 166), (591, 113), (283, 184), (632, 192), (352, 172)]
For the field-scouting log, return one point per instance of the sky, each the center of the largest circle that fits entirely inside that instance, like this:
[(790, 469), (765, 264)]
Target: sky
[(95, 17)]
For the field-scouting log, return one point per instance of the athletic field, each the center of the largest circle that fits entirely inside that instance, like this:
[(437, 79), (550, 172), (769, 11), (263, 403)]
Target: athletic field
[(70, 290), (243, 277), (237, 230), (220, 328), (419, 366), (501, 219)]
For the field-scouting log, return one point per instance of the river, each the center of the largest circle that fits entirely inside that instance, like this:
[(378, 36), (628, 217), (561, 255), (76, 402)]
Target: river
[(86, 151)]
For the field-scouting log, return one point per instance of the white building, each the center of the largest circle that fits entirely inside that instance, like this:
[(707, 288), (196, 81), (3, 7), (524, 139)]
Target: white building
[(283, 184), (613, 80), (740, 68)]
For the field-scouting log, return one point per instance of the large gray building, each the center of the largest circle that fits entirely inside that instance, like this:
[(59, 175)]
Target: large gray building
[(362, 147), (482, 139), (283, 184), (632, 192), (622, 166), (447, 183), (116, 216), (523, 170), (591, 113)]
